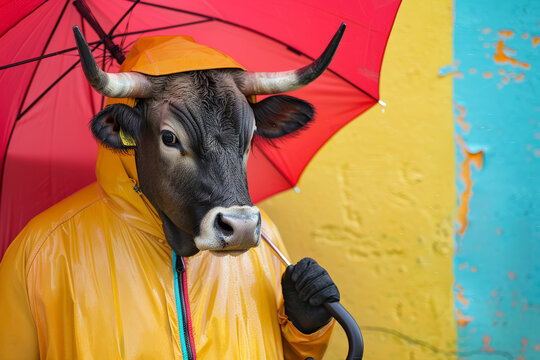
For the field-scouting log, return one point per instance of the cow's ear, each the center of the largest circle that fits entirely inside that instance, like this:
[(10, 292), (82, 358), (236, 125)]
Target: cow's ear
[(118, 126), (280, 115)]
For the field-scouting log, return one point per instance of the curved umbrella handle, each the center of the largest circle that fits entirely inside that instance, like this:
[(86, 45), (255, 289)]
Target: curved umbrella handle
[(347, 322)]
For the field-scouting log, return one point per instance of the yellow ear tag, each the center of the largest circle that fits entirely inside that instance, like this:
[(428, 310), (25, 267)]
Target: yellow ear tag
[(127, 140)]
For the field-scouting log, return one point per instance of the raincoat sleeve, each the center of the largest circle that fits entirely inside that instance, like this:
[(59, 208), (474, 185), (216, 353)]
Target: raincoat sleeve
[(18, 335), (296, 345)]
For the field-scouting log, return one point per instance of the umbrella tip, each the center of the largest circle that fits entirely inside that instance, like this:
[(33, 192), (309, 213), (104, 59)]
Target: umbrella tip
[(297, 189), (382, 103)]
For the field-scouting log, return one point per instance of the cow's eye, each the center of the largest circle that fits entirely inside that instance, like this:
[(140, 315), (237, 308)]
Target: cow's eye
[(168, 138)]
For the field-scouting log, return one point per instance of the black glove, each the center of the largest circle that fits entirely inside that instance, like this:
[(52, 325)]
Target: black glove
[(306, 286)]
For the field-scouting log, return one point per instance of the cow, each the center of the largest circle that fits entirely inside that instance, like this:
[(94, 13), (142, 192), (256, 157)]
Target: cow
[(91, 277), (193, 133)]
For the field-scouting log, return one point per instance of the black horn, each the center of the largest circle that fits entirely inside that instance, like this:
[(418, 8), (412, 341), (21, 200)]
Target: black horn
[(264, 83), (121, 85)]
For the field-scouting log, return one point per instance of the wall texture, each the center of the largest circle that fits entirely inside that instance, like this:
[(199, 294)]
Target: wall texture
[(377, 203), (497, 104), (426, 213)]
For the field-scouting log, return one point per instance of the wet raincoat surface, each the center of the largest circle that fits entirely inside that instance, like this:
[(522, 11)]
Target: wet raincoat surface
[(94, 278)]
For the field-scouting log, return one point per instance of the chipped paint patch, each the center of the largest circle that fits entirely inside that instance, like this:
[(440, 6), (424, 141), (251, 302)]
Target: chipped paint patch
[(471, 159), (505, 55), (463, 320), (460, 118)]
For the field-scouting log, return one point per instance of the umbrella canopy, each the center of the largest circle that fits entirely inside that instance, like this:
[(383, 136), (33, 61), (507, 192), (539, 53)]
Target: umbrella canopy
[(46, 149)]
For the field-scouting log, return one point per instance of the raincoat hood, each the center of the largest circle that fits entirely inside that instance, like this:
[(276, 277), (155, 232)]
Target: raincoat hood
[(165, 55)]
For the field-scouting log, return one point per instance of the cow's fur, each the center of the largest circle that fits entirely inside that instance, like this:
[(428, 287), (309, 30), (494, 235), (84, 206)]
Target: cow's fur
[(213, 125)]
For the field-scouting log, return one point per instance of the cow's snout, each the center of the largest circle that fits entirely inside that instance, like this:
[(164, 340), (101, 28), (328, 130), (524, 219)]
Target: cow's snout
[(235, 228)]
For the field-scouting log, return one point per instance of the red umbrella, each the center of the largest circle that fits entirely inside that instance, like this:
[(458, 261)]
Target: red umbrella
[(46, 149)]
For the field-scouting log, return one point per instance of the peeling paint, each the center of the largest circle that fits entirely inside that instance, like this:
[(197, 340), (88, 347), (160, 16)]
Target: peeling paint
[(486, 339), (462, 320), (504, 55), (460, 117), (460, 295), (471, 159)]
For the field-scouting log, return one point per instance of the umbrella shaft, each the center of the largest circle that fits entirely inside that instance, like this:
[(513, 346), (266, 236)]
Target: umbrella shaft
[(282, 257)]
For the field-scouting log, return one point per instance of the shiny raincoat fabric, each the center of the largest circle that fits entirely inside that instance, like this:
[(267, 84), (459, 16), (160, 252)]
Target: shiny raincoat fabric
[(92, 278)]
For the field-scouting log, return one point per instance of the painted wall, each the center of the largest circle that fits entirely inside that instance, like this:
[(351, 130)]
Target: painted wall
[(377, 203), (497, 105), (426, 215)]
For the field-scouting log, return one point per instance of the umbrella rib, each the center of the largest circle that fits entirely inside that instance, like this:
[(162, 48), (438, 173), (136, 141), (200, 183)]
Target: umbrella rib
[(60, 52), (161, 28), (51, 86), (44, 56), (290, 48), (24, 17), (42, 53), (123, 17)]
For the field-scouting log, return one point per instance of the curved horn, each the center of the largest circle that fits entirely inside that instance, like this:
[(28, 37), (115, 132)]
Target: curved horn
[(121, 85), (264, 83)]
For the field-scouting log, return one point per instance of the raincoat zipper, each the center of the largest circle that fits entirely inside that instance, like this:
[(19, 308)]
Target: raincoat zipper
[(182, 308)]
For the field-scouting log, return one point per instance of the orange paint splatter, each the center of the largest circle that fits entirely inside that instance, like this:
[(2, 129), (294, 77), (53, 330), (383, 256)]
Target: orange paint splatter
[(494, 293), (487, 340), (461, 118), (525, 36), (499, 314), (474, 269), (514, 303), (472, 71), (486, 31), (506, 80), (487, 75), (463, 320), (501, 71), (506, 33), (536, 347), (520, 357), (519, 78), (460, 296), (500, 56), (511, 275), (471, 159), (535, 41), (463, 266), (524, 343)]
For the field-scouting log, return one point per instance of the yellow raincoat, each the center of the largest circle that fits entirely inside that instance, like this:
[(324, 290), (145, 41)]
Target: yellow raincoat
[(93, 278)]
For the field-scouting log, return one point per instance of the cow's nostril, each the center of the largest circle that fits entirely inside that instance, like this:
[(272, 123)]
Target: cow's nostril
[(225, 228)]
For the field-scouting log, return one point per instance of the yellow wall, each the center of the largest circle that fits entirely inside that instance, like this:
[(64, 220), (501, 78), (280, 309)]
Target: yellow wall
[(377, 202)]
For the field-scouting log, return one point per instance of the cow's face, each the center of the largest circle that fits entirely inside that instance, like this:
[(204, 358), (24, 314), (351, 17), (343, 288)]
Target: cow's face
[(192, 133), (193, 138)]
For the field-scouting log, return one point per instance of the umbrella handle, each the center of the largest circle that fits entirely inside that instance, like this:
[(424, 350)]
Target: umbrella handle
[(347, 322), (343, 317)]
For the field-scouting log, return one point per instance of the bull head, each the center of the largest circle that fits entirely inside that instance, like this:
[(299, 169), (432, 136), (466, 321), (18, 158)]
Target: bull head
[(193, 132)]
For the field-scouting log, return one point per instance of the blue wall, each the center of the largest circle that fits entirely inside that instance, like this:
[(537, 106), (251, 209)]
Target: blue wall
[(497, 112)]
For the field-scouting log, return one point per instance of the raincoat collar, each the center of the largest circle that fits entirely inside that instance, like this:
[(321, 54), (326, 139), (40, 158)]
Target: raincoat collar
[(119, 184)]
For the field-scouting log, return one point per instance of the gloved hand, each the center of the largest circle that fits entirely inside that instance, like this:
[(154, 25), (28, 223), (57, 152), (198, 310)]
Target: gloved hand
[(306, 286)]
